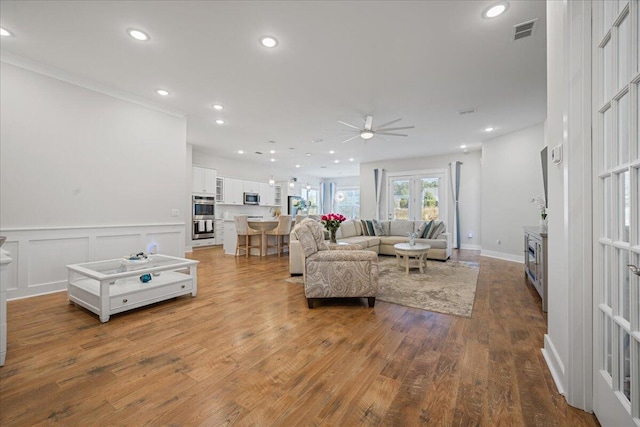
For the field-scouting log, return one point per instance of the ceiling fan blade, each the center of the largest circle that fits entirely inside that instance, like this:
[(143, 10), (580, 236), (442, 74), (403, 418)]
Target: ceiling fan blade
[(381, 137), (353, 137), (347, 124), (392, 134), (388, 123), (388, 129), (368, 122)]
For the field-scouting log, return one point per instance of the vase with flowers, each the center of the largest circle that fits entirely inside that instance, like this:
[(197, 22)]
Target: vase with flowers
[(542, 205), (332, 222)]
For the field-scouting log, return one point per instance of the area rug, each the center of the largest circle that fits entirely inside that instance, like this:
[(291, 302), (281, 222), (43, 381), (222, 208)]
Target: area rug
[(445, 287)]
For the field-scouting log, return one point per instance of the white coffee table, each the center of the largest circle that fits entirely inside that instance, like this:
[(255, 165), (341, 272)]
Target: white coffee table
[(405, 252), (113, 286)]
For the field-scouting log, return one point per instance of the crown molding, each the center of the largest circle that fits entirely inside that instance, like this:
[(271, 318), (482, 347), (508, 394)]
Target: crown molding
[(74, 79)]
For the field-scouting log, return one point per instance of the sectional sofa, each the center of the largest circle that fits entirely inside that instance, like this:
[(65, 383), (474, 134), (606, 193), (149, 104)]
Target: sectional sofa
[(389, 233)]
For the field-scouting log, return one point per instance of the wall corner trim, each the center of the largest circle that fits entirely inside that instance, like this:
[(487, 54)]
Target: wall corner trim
[(555, 364)]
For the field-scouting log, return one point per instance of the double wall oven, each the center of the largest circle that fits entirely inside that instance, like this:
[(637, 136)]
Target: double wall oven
[(204, 220)]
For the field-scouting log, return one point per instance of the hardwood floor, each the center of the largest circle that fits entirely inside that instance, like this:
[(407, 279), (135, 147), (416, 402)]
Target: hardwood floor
[(248, 351)]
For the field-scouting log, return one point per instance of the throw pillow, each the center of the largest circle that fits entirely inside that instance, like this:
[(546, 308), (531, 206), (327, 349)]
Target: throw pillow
[(377, 226), (427, 229), (421, 229), (372, 231), (365, 230), (437, 229)]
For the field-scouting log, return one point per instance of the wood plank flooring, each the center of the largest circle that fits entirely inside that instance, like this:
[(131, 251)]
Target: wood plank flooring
[(248, 351)]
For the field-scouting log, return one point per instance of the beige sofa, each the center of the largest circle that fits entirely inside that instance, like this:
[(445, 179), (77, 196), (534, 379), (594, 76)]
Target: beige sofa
[(396, 231)]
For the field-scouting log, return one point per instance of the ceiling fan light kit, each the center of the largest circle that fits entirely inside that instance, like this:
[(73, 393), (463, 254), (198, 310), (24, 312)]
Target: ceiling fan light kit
[(366, 134)]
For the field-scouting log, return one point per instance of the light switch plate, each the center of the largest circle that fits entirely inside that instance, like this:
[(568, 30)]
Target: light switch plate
[(556, 154)]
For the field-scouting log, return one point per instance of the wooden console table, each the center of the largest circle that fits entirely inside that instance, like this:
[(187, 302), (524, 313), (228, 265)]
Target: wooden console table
[(535, 260)]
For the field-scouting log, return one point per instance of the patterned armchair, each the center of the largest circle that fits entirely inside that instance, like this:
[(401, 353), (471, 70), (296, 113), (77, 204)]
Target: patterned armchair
[(346, 272)]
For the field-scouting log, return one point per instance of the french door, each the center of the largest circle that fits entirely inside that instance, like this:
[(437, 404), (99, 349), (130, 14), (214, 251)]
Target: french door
[(616, 161), (417, 196)]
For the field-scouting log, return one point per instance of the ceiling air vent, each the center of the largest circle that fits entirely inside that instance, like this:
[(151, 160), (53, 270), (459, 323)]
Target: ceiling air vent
[(524, 29)]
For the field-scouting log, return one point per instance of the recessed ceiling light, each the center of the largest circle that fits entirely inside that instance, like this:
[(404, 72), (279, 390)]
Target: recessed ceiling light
[(272, 159), (308, 154), (268, 41), (272, 151), (240, 152), (331, 152), (463, 146), (220, 121), (138, 35), (162, 92), (489, 129), (297, 166), (351, 159), (495, 9), (217, 107), (5, 33), (336, 161)]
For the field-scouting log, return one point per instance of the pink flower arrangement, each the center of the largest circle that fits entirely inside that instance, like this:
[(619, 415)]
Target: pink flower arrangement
[(332, 221)]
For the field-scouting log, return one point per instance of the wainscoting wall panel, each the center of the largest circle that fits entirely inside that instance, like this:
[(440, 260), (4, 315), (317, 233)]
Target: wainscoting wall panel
[(40, 255), (109, 247), (47, 258)]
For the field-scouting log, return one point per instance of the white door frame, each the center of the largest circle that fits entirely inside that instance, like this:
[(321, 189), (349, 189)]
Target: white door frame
[(445, 209)]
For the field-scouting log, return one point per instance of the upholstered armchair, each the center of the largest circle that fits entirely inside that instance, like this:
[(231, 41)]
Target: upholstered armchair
[(343, 272)]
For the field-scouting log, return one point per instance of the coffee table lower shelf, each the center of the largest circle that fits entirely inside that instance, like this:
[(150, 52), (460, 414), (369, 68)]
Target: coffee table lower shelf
[(127, 294)]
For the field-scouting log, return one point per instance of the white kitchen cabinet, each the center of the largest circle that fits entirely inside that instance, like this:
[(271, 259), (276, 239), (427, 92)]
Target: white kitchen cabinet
[(204, 180), (219, 190), (267, 194), (251, 186), (233, 191), (277, 195), (231, 238), (219, 232)]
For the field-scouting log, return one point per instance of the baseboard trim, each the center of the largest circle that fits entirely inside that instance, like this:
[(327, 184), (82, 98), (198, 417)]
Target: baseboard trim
[(556, 367), (471, 247), (500, 255), (37, 294)]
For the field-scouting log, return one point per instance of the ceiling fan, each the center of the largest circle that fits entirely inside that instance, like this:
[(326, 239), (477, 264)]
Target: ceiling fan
[(368, 131)]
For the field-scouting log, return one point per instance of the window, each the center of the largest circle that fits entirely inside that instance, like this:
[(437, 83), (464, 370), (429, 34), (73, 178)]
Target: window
[(347, 201), (419, 196), (311, 196)]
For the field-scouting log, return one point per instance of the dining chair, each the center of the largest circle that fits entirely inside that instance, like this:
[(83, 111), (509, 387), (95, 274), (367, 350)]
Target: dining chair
[(283, 229), (244, 233)]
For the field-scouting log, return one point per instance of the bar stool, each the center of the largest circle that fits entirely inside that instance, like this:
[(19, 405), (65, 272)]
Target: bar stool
[(283, 229), (245, 233)]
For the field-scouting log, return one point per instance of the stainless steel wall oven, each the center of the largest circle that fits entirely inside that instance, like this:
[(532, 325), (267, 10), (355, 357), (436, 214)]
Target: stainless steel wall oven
[(203, 212)]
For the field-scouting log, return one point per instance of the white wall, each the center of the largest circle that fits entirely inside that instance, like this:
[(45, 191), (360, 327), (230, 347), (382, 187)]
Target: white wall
[(511, 177), (470, 189), (83, 175), (74, 157)]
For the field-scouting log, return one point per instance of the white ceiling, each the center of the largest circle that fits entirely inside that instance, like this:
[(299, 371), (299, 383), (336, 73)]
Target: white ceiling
[(422, 61)]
